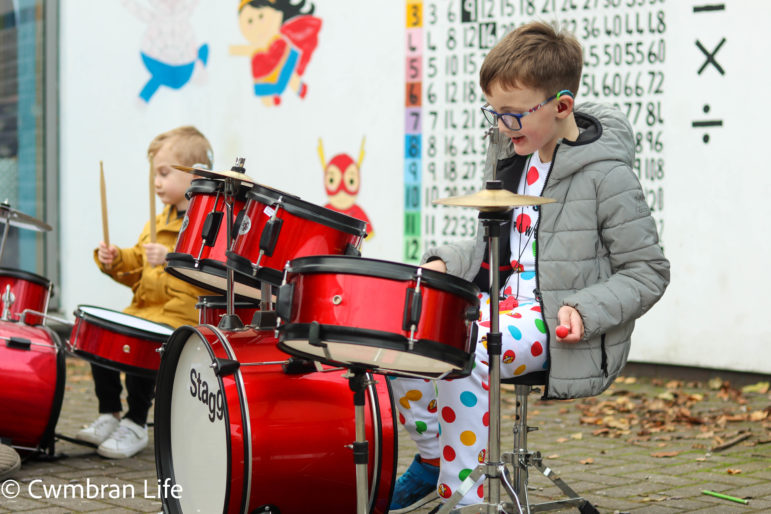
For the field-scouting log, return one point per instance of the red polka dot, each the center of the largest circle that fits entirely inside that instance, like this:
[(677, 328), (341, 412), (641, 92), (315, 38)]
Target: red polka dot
[(401, 419), (523, 222), (508, 357), (482, 456), (485, 324), (448, 414), (537, 308), (532, 175), (516, 315), (448, 453), (516, 266), (536, 349), (486, 419), (481, 491), (444, 491)]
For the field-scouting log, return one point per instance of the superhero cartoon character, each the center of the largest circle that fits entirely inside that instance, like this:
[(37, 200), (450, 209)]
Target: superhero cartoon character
[(169, 50), (342, 178), (282, 39)]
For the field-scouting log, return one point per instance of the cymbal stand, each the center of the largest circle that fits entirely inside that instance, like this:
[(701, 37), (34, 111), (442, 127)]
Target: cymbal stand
[(5, 232), (358, 380), (493, 469), (231, 321)]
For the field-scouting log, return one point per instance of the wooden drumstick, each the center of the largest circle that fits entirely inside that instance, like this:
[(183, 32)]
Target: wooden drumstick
[(152, 202), (103, 195)]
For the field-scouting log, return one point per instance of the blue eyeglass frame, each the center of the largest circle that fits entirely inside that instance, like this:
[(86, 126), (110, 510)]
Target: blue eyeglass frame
[(503, 115)]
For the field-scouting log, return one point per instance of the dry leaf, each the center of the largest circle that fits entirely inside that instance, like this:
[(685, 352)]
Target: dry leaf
[(587, 461), (664, 455), (553, 456), (758, 415), (715, 383), (577, 436), (732, 471), (760, 387), (563, 440)]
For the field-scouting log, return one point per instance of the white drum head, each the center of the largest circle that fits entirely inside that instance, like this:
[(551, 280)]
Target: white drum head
[(199, 449), (125, 320), (377, 358)]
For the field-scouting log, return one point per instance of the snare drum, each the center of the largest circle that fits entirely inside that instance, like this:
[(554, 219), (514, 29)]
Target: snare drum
[(199, 255), (32, 378), (212, 308), (20, 290), (277, 228), (119, 341), (239, 434), (388, 317)]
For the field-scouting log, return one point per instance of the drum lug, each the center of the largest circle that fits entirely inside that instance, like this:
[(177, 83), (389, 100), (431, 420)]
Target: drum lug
[(224, 367), (284, 301), (269, 236), (19, 343), (211, 227), (352, 250)]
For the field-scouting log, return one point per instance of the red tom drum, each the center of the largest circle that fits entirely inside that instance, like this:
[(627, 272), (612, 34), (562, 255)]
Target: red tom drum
[(240, 434), (21, 290), (277, 228), (388, 317), (119, 341), (199, 255), (32, 378), (212, 308)]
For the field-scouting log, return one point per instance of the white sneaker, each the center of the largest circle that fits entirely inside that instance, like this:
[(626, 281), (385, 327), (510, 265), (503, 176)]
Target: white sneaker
[(98, 431), (126, 441), (10, 462)]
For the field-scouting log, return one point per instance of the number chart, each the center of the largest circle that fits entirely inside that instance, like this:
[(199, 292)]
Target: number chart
[(625, 52)]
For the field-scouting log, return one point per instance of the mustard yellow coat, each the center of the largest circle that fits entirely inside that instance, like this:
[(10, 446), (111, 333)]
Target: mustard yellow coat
[(158, 296)]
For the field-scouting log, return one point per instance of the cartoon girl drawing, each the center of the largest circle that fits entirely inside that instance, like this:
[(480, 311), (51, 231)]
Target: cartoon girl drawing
[(169, 50), (282, 39)]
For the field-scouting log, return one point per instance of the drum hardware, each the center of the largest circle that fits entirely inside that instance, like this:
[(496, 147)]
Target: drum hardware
[(12, 217), (412, 308), (266, 317), (358, 382), (236, 173), (44, 315), (8, 299), (494, 204)]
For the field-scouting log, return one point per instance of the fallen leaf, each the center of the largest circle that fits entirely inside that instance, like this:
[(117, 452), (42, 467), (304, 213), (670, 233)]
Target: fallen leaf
[(563, 440), (553, 456), (760, 387), (664, 455), (715, 383), (577, 436), (758, 415), (732, 471), (587, 461)]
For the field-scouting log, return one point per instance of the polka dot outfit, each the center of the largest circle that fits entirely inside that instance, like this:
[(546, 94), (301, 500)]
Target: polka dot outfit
[(449, 419)]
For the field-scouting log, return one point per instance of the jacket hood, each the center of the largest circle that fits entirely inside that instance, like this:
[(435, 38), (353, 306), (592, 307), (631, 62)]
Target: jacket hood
[(605, 135)]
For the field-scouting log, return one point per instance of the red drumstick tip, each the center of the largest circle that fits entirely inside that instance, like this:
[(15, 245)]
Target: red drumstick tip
[(562, 331)]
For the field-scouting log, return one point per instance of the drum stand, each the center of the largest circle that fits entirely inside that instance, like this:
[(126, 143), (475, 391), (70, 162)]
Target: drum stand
[(358, 382), (494, 469), (230, 321)]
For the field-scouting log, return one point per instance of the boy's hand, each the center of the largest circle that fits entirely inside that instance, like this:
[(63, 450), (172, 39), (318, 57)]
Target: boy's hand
[(106, 255), (436, 265), (569, 318), (155, 253)]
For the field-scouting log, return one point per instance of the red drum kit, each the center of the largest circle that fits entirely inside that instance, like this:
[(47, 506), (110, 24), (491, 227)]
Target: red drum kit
[(32, 367)]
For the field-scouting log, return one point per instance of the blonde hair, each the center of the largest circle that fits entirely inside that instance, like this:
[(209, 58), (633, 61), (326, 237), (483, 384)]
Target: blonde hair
[(535, 55), (190, 145)]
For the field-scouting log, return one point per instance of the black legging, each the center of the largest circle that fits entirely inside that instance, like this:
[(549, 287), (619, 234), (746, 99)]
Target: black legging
[(107, 386)]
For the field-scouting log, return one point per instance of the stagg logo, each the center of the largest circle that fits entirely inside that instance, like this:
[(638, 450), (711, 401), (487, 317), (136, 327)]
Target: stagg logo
[(215, 402)]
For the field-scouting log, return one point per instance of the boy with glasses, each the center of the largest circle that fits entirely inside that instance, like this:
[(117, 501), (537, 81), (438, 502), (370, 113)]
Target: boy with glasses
[(597, 268)]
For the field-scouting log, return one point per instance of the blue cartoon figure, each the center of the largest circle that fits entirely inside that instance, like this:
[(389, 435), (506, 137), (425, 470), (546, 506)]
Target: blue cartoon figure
[(282, 37), (169, 50)]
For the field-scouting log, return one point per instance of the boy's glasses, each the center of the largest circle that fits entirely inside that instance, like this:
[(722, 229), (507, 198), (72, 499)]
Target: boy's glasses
[(513, 121)]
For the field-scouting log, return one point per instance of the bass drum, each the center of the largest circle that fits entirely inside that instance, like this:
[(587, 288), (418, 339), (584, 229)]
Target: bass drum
[(32, 377), (238, 433)]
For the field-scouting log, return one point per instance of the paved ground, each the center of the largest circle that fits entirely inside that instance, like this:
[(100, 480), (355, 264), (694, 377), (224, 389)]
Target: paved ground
[(647, 445)]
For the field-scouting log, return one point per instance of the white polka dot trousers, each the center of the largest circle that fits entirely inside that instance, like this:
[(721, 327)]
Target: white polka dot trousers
[(449, 419)]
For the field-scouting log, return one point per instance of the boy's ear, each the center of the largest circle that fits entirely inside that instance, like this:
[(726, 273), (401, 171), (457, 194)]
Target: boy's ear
[(564, 106)]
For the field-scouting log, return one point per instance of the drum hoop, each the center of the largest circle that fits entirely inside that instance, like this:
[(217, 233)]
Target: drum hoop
[(25, 275), (378, 339), (347, 265), (121, 329), (207, 267), (209, 186), (313, 212), (220, 302), (165, 382)]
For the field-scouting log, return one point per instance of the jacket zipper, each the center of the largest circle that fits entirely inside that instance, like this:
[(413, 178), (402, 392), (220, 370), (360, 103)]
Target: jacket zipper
[(537, 290)]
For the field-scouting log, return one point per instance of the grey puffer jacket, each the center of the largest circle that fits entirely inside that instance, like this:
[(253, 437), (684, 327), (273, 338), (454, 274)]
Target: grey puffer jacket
[(598, 248)]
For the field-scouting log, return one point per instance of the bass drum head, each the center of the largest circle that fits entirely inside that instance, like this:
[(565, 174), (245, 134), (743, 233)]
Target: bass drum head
[(194, 448)]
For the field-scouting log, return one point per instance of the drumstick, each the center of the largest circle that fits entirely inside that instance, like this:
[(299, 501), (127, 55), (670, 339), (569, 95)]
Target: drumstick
[(103, 195), (152, 202)]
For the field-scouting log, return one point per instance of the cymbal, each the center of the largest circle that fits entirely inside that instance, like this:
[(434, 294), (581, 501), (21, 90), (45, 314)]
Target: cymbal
[(243, 177), (492, 200), (18, 219)]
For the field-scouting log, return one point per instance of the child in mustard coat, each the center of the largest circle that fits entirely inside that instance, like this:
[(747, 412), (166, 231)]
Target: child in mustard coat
[(158, 296)]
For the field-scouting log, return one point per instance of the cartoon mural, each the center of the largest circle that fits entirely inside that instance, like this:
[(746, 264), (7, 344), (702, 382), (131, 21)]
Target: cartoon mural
[(169, 50), (281, 39), (342, 178)]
